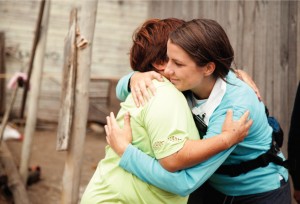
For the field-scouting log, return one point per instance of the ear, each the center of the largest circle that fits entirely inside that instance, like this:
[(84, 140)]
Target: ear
[(159, 66), (209, 68)]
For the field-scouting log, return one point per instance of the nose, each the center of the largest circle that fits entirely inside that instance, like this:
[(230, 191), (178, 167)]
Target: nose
[(168, 70)]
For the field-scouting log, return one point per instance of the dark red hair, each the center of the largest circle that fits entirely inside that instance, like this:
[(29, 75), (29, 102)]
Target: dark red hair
[(150, 43)]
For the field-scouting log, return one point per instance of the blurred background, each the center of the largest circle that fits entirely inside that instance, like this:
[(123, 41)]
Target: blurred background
[(265, 35)]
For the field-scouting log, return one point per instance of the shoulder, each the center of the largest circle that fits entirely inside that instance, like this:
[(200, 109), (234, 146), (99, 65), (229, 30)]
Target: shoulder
[(167, 91), (238, 93)]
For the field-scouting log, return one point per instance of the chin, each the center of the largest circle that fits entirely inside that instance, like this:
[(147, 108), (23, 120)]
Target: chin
[(179, 88)]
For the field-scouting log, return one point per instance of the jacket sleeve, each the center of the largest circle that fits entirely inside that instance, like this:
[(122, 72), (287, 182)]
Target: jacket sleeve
[(122, 87), (294, 142), (182, 182)]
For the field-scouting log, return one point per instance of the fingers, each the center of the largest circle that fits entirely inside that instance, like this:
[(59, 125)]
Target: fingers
[(256, 90), (108, 124), (258, 95), (249, 123), (151, 87), (245, 116), (144, 91), (140, 85), (135, 97), (246, 122), (139, 96), (141, 91), (228, 117), (113, 120), (238, 74), (156, 76), (107, 134)]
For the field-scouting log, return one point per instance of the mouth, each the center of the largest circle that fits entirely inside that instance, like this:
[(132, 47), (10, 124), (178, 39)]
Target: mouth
[(172, 80)]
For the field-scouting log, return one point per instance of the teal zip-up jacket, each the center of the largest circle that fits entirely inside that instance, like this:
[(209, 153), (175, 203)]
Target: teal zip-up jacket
[(239, 97)]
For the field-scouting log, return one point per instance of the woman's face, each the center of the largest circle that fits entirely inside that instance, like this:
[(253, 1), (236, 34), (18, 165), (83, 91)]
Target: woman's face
[(182, 70)]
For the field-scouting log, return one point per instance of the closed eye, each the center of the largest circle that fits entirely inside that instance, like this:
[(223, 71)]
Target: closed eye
[(178, 64)]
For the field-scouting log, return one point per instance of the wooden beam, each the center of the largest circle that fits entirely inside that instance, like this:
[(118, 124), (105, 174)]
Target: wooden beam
[(87, 11), (68, 87), (34, 47), (34, 95), (15, 183), (6, 115), (2, 71)]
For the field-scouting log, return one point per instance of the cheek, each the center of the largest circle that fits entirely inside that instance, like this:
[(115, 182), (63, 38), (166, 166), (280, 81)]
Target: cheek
[(194, 78)]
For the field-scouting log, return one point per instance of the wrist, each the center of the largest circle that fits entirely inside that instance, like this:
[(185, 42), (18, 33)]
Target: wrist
[(122, 149), (225, 138)]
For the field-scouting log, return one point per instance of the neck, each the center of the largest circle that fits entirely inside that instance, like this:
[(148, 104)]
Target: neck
[(205, 88)]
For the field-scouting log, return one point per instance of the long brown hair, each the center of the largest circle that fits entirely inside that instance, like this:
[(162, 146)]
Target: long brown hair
[(205, 41), (150, 43)]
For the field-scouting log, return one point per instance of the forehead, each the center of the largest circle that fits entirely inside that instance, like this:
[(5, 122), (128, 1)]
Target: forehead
[(176, 52), (173, 48)]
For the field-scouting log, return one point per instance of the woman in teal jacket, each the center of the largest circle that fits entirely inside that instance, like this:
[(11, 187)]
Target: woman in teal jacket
[(200, 56)]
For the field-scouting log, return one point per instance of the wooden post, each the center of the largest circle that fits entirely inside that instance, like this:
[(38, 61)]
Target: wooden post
[(68, 87), (34, 48), (6, 114), (2, 71), (14, 179), (34, 96), (85, 32)]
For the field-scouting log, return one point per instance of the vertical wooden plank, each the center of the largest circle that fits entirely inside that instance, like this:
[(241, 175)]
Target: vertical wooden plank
[(193, 9), (277, 30), (281, 72), (38, 28), (209, 9), (240, 35), (168, 9), (260, 37), (272, 17), (154, 10), (196, 9), (178, 9), (247, 42), (2, 73), (292, 54), (84, 41), (232, 27), (15, 182), (34, 95), (222, 13), (187, 9), (68, 87)]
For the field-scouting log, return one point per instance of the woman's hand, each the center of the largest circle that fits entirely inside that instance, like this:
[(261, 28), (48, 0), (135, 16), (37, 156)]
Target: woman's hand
[(242, 75), (117, 138), (140, 82), (234, 132)]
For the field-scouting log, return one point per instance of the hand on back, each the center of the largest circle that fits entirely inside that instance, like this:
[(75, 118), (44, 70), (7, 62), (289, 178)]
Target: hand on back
[(117, 138), (242, 75), (236, 131), (140, 83)]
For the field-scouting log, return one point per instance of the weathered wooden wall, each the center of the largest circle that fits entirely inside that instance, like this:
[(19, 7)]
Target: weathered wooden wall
[(116, 21), (265, 36)]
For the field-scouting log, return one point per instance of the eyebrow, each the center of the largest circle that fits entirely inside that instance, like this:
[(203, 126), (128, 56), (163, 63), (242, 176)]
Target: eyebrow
[(178, 61)]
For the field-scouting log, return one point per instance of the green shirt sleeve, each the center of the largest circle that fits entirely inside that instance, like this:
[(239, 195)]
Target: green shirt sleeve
[(168, 134)]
